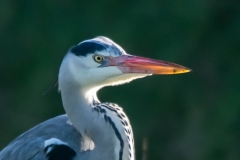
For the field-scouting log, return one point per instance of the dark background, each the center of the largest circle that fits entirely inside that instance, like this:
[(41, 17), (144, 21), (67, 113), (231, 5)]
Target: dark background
[(192, 116)]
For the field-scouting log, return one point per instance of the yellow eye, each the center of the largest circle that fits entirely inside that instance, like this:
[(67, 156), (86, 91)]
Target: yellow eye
[(98, 58)]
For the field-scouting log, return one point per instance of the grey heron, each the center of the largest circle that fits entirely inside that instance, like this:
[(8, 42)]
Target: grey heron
[(90, 130)]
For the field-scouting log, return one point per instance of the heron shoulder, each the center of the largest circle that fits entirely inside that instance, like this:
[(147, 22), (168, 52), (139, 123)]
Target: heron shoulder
[(57, 149), (32, 143)]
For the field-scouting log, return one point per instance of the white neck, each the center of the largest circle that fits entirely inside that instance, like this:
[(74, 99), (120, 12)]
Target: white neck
[(78, 104)]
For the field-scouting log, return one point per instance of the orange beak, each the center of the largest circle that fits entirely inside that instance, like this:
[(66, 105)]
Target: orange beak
[(136, 64)]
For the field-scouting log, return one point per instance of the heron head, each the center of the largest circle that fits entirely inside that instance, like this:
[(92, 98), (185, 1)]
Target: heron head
[(100, 62)]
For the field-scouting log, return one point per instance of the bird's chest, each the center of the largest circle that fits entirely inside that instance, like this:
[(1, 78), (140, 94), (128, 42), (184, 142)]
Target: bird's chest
[(111, 134), (107, 144)]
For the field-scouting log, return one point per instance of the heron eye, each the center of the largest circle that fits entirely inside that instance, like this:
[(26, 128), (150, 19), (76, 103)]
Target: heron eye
[(98, 58)]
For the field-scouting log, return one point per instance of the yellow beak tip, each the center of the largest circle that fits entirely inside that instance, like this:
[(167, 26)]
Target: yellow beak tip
[(185, 70)]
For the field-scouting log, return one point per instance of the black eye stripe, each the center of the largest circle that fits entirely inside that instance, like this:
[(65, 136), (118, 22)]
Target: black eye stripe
[(96, 45), (87, 47)]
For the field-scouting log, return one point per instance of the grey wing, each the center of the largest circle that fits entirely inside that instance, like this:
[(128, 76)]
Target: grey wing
[(26, 150), (52, 136)]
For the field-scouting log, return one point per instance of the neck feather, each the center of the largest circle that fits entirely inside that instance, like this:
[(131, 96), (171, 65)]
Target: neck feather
[(100, 125), (109, 136)]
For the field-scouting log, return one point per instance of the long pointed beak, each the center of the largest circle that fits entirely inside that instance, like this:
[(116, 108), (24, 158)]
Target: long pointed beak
[(136, 64)]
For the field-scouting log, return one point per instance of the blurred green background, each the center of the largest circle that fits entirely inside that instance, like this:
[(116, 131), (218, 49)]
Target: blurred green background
[(192, 116)]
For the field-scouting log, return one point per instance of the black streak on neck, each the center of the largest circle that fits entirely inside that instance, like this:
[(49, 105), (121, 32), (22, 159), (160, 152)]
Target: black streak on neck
[(99, 109)]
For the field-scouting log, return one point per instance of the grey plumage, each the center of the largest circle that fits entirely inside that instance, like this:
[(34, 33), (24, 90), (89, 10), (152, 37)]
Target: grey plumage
[(30, 145)]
